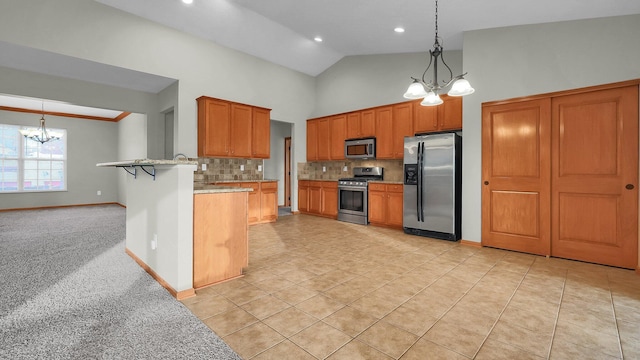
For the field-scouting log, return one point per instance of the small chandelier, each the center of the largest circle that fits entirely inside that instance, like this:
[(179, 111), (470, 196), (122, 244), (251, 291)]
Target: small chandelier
[(430, 90), (40, 134)]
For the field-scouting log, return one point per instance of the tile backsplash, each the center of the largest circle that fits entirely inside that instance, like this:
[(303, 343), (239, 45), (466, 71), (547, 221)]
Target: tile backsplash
[(228, 169), (335, 169)]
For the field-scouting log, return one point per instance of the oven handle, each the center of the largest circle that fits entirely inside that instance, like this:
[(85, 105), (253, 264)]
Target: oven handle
[(352, 188)]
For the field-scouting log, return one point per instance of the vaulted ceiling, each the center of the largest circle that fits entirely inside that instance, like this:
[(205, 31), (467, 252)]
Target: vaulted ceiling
[(282, 31)]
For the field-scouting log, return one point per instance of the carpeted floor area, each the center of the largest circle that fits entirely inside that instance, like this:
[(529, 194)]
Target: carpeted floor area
[(69, 291)]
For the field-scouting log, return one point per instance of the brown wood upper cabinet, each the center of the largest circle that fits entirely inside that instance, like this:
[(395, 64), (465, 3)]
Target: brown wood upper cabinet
[(229, 129), (388, 124), (361, 124), (325, 138), (447, 116), (393, 123)]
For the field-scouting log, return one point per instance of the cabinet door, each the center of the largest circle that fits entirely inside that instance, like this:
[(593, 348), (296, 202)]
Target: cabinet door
[(268, 201), (324, 139), (384, 133), (315, 199), (394, 208), (241, 120), (450, 113), (303, 196), (367, 123), (254, 202), (261, 133), (213, 127), (353, 125), (402, 126), (330, 200), (425, 118), (312, 140), (338, 133), (377, 207)]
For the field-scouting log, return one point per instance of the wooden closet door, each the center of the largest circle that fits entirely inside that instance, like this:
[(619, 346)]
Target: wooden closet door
[(515, 176), (595, 177)]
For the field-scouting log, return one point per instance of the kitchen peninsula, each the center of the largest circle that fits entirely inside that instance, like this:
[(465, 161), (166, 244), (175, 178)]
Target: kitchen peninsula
[(184, 235)]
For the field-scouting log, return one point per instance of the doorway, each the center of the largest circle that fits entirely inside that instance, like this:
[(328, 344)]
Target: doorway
[(287, 172)]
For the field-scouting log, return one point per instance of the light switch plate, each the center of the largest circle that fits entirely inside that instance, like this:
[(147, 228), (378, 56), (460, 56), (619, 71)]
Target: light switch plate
[(259, 167), (241, 167), (324, 169), (204, 167)]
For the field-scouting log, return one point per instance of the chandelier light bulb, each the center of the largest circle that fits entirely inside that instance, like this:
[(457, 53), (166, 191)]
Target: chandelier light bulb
[(432, 99), (415, 91), (461, 88)]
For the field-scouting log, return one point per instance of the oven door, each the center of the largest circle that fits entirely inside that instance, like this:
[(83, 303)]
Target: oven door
[(352, 200)]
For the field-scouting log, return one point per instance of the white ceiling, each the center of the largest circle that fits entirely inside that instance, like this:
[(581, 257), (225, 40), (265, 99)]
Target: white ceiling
[(282, 31)]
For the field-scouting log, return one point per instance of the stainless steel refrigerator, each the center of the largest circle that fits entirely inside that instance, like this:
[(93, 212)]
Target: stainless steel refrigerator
[(432, 182)]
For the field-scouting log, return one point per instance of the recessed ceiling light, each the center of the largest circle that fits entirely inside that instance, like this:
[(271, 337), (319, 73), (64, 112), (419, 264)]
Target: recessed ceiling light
[(317, 39), (187, 1), (399, 29)]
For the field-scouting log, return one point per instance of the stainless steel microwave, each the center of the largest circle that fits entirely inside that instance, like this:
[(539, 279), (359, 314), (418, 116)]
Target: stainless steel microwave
[(360, 148)]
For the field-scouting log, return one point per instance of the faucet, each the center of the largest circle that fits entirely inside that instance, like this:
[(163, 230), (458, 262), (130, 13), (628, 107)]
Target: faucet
[(180, 155)]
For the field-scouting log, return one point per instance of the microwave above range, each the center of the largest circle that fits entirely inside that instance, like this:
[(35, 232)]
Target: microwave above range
[(360, 148)]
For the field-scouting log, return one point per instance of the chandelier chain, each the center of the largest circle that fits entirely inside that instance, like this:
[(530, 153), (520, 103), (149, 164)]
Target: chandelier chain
[(436, 20)]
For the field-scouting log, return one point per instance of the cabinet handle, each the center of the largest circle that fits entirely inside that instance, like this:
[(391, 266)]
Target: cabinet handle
[(629, 187)]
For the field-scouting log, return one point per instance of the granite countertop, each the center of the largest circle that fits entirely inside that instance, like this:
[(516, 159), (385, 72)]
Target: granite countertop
[(218, 189), (317, 179), (149, 162), (387, 182)]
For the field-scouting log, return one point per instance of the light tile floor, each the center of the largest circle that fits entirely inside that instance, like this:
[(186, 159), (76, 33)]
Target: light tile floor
[(323, 289)]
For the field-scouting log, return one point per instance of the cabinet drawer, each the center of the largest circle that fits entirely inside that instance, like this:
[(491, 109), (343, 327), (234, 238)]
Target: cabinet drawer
[(254, 185), (377, 187), (270, 185), (303, 183), (330, 184), (394, 188), (317, 184)]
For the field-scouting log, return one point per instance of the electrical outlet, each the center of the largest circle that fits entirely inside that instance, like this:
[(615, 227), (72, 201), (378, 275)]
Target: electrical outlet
[(345, 168), (99, 193), (204, 167), (259, 167), (324, 169), (154, 242), (241, 167)]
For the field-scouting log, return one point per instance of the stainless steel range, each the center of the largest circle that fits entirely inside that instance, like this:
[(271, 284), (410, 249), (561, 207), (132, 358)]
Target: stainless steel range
[(353, 199)]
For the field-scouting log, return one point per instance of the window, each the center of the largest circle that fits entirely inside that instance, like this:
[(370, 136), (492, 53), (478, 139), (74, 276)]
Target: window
[(27, 165)]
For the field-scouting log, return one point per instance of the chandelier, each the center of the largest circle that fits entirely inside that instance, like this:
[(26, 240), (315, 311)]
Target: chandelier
[(420, 88), (40, 134)]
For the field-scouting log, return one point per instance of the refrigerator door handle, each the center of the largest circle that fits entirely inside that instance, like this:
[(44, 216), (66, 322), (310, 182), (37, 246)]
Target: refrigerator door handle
[(419, 197)]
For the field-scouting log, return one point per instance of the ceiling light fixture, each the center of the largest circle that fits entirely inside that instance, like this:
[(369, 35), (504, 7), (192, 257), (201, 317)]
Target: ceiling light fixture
[(317, 39), (399, 29), (430, 90), (40, 134), (187, 1)]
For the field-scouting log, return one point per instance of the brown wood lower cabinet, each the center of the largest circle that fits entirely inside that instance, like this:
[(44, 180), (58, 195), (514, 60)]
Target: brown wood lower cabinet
[(318, 197), (385, 205), (263, 200), (220, 237)]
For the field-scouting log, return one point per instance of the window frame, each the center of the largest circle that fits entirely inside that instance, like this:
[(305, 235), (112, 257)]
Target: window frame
[(22, 160)]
